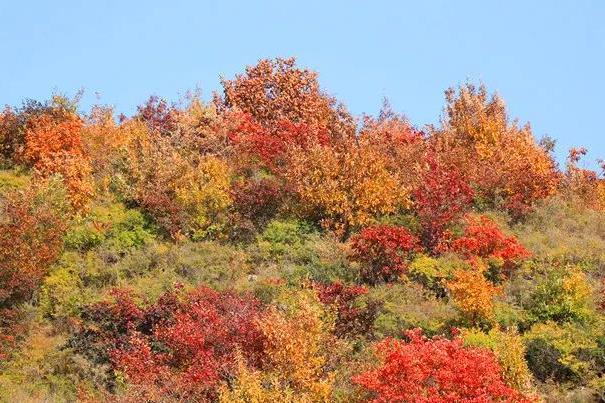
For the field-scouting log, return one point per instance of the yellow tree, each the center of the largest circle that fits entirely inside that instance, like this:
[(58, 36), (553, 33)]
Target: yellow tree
[(472, 293), (345, 186)]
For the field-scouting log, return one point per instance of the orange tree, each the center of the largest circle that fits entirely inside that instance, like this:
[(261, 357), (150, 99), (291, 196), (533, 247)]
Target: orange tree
[(500, 159), (277, 90), (282, 104), (345, 186), (473, 293), (53, 145), (584, 184)]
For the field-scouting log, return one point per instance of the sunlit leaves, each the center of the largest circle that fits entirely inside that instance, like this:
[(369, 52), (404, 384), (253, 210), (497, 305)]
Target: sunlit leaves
[(344, 187), (435, 370)]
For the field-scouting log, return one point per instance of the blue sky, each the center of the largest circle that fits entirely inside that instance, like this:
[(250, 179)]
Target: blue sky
[(546, 58)]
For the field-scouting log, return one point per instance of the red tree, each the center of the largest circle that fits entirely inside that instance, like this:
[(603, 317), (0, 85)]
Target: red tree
[(31, 238), (182, 346), (384, 252), (441, 197), (158, 115)]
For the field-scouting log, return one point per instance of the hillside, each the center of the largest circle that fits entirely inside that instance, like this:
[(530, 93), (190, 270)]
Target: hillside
[(269, 246)]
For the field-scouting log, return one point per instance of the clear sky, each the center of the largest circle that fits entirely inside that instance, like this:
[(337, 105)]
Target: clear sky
[(546, 58)]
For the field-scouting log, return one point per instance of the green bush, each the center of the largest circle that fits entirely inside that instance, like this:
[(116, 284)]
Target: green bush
[(562, 295), (113, 226), (409, 306), (282, 239), (563, 353), (61, 293), (432, 273)]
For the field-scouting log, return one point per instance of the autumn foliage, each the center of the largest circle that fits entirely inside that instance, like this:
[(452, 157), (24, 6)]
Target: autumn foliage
[(53, 145), (200, 333), (498, 158), (473, 293), (266, 245), (435, 370), (344, 187), (384, 252), (32, 226), (483, 238), (441, 197), (351, 320)]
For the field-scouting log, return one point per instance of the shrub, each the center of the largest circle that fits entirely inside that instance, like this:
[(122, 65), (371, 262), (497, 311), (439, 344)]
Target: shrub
[(61, 293), (114, 226), (440, 198), (483, 238), (563, 295), (500, 160), (351, 319), (43, 370), (282, 237), (53, 145), (257, 200), (344, 187), (437, 369), (277, 90), (384, 252), (205, 197), (473, 294), (432, 273), (182, 346), (32, 224), (297, 343), (561, 353)]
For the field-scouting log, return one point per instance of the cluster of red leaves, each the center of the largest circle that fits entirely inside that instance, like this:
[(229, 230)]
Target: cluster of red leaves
[(157, 199), (435, 370), (182, 346), (441, 197), (270, 144), (158, 116), (351, 320), (384, 252), (483, 238)]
